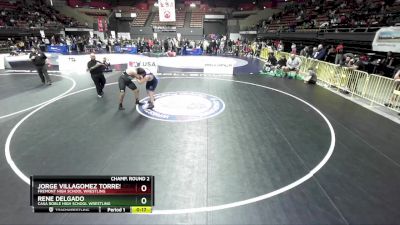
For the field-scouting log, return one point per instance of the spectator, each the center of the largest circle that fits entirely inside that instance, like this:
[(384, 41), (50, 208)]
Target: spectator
[(107, 65), (292, 64), (311, 78), (386, 66), (320, 53), (339, 53), (271, 63), (350, 83), (305, 52), (272, 59), (282, 62), (280, 46), (394, 97), (69, 43), (293, 47), (350, 63), (330, 56), (314, 51)]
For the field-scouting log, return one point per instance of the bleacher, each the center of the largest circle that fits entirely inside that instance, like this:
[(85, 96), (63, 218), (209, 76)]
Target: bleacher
[(288, 18), (180, 20), (197, 19), (90, 4), (395, 8), (141, 15), (141, 18), (15, 15), (7, 5)]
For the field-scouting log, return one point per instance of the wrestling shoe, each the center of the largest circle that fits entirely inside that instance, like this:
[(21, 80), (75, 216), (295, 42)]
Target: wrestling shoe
[(139, 103), (151, 106), (120, 107)]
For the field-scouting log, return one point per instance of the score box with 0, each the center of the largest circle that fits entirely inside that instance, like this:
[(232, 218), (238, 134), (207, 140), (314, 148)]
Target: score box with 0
[(92, 191)]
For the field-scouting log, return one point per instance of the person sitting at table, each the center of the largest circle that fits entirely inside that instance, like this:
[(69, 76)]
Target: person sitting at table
[(107, 65)]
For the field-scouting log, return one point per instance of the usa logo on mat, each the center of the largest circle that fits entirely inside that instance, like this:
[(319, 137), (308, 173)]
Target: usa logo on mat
[(182, 106)]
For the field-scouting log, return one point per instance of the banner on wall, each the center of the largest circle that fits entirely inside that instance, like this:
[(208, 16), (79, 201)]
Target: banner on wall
[(113, 34), (387, 39), (149, 64), (178, 36), (155, 35), (73, 63), (124, 35), (100, 24), (166, 10)]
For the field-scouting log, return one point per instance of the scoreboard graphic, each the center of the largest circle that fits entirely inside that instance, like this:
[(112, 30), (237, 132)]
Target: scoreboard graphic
[(92, 194)]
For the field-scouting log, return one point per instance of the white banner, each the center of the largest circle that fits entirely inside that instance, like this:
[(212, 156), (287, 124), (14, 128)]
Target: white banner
[(124, 35), (78, 63), (218, 68), (73, 63), (387, 39), (166, 9), (113, 34), (149, 64)]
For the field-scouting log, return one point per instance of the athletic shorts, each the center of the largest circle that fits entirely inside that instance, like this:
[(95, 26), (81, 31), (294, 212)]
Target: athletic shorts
[(122, 83), (152, 85)]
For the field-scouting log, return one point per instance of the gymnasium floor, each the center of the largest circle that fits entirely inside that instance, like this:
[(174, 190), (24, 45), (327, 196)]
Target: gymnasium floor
[(275, 151)]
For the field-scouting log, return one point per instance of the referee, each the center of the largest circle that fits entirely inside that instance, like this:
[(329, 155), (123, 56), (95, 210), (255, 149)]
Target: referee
[(38, 58), (96, 69)]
